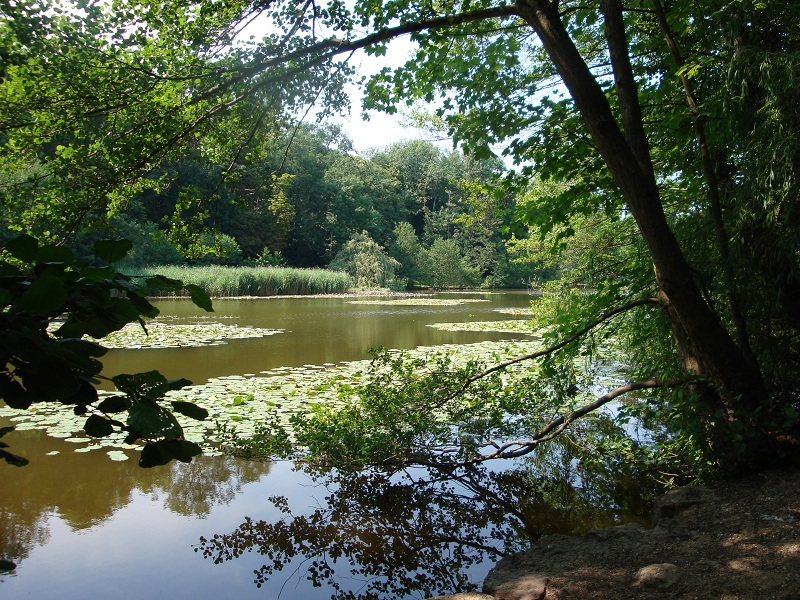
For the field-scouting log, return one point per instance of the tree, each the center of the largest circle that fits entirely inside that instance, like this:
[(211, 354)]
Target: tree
[(445, 265), (613, 140), (408, 252), (366, 263)]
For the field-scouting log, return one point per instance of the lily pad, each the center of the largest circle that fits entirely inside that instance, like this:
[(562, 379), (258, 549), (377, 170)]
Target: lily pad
[(165, 335), (421, 301), (507, 326)]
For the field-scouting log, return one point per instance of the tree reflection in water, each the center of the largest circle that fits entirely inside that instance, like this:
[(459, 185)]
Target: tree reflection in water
[(417, 533), (86, 490)]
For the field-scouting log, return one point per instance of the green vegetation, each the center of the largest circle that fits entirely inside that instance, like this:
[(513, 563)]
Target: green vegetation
[(49, 301), (222, 281), (367, 264), (655, 183)]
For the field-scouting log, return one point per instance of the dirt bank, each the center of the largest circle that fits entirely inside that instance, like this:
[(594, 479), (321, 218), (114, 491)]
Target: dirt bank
[(735, 540)]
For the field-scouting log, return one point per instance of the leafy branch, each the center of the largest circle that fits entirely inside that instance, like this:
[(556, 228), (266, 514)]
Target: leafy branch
[(517, 448), (49, 302), (555, 347)]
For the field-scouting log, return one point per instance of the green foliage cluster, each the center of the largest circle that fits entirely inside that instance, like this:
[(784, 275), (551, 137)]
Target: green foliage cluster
[(50, 301), (367, 264), (416, 410)]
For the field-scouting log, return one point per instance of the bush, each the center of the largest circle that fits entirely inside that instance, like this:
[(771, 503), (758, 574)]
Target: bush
[(367, 264)]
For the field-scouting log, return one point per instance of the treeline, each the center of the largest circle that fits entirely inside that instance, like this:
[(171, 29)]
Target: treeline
[(410, 214)]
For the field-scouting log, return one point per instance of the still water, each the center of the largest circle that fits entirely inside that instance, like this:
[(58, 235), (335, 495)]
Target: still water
[(83, 526)]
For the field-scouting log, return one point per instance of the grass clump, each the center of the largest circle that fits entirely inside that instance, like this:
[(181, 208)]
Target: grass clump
[(222, 281)]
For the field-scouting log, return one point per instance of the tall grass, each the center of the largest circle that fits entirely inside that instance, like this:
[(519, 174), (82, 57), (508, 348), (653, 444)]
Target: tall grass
[(219, 281)]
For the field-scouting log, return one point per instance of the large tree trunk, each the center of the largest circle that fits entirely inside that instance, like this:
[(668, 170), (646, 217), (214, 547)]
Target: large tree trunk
[(705, 346)]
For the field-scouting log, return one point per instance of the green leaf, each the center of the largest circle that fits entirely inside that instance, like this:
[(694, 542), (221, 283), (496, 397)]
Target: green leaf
[(177, 384), (132, 437), (190, 409), (15, 395), (55, 254), (150, 385), (141, 304), (97, 426), (44, 297), (154, 455), (7, 565), (199, 297), (114, 404), (24, 247), (112, 250), (183, 450), (153, 421), (99, 273)]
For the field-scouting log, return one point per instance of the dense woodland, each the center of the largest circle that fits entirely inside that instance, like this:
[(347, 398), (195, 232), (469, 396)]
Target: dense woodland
[(655, 158), (310, 195)]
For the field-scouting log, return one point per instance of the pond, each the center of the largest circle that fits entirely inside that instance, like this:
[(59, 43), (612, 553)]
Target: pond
[(80, 525)]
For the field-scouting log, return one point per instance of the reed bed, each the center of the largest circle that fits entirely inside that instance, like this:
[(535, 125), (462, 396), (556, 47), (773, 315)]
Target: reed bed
[(221, 281)]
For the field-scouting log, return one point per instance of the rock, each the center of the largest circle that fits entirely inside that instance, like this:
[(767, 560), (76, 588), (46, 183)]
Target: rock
[(613, 533), (464, 596), (677, 501), (525, 587), (660, 576)]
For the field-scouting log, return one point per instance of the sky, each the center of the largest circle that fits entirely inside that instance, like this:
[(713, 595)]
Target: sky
[(381, 129)]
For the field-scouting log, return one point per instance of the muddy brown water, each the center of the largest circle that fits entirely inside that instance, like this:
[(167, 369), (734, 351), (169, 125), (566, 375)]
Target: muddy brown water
[(83, 526)]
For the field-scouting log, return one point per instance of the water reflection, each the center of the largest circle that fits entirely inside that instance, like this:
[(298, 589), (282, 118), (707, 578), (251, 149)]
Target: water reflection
[(85, 490), (422, 533)]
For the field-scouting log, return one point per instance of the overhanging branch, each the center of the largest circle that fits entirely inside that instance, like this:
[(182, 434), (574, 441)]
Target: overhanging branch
[(334, 46), (505, 364), (518, 448)]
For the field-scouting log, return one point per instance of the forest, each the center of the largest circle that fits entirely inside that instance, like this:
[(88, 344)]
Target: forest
[(637, 159)]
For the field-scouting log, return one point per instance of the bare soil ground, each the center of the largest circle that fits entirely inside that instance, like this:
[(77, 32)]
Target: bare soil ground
[(740, 541)]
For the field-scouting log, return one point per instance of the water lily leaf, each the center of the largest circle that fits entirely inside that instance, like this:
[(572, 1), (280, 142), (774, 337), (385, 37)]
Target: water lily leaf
[(190, 409), (112, 250), (97, 426)]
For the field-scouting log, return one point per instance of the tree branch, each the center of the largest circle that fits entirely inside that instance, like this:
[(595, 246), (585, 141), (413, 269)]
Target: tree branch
[(558, 425), (333, 46), (715, 202), (517, 448), (505, 364)]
